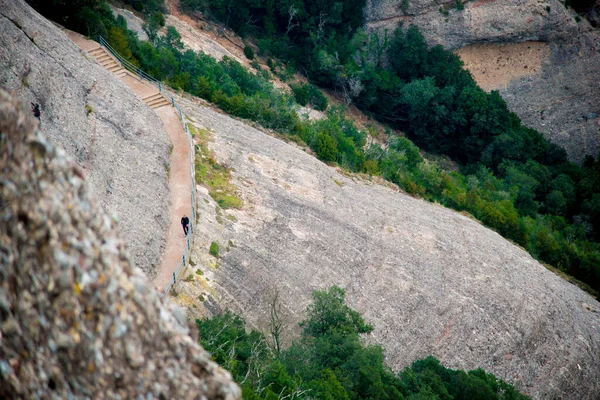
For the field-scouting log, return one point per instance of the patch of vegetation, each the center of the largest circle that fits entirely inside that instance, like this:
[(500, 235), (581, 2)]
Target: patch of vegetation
[(88, 109), (331, 360), (214, 249), (209, 173), (460, 5), (404, 5), (309, 94), (249, 52), (199, 272)]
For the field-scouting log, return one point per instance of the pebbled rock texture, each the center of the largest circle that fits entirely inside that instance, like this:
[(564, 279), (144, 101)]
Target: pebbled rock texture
[(116, 139), (76, 319), (430, 280), (562, 99)]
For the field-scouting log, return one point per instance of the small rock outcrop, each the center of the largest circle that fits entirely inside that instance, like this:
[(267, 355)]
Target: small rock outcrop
[(76, 319), (117, 140), (557, 91)]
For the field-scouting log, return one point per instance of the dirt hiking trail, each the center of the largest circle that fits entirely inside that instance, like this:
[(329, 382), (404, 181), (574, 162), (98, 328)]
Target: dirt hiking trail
[(180, 184)]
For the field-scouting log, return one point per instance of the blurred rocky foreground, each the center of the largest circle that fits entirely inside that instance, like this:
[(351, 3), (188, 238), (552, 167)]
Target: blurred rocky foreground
[(76, 319)]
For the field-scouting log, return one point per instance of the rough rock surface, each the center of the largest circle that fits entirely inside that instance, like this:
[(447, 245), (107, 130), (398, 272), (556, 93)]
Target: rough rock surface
[(115, 138), (562, 99), (430, 280), (480, 21), (76, 319)]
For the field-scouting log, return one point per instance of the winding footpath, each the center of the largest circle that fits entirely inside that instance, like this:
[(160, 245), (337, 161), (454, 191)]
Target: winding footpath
[(180, 185)]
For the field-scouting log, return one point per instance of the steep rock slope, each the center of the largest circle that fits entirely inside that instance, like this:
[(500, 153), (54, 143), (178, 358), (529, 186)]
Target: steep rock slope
[(430, 280), (76, 319), (114, 137), (560, 98)]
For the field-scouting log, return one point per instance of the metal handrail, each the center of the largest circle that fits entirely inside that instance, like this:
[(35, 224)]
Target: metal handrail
[(128, 65), (138, 72)]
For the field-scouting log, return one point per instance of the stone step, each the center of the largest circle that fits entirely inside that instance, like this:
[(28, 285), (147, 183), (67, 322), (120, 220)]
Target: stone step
[(102, 57), (158, 103), (108, 63), (98, 50), (153, 96)]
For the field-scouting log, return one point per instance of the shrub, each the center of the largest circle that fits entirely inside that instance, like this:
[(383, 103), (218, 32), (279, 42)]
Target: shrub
[(249, 52), (309, 94), (326, 148), (214, 249)]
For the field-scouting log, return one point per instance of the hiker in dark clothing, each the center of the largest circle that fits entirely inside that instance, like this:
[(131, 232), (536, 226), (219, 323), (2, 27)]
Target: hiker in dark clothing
[(185, 222), (35, 109)]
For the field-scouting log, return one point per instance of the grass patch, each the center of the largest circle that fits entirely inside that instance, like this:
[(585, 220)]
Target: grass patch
[(199, 272), (232, 218), (214, 249), (214, 176)]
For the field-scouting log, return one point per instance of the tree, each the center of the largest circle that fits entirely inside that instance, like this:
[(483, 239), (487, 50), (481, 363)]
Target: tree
[(276, 322), (328, 313)]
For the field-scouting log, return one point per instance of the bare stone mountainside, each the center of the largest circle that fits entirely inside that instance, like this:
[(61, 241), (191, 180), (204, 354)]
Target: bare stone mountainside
[(117, 140), (76, 319), (555, 90), (430, 280)]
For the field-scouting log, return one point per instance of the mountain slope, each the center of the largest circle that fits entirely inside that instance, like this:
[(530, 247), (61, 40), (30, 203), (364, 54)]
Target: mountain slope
[(430, 280), (554, 90), (115, 138)]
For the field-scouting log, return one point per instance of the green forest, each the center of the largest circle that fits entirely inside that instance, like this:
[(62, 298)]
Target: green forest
[(330, 360)]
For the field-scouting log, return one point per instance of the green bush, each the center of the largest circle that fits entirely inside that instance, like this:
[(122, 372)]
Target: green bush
[(309, 94), (326, 148), (249, 52), (214, 249)]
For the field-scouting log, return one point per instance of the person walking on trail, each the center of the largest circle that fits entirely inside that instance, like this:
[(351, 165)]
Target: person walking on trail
[(185, 223), (35, 109)]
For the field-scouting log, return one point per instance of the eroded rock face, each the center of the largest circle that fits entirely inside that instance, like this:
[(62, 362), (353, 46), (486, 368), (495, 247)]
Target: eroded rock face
[(76, 319), (118, 141), (561, 98), (430, 280), (480, 21)]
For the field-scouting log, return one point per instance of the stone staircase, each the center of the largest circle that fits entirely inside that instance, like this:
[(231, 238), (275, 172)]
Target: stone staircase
[(156, 100), (105, 59)]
